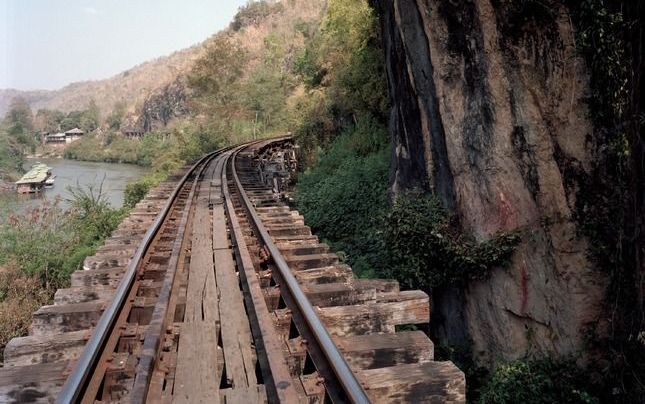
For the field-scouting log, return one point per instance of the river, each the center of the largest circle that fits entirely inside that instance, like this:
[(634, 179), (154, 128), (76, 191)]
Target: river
[(73, 173)]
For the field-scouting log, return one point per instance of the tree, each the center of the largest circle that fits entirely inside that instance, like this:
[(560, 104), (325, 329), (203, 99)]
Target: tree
[(215, 75), (20, 123), (87, 120), (115, 119), (71, 121), (48, 120), (91, 117), (19, 118)]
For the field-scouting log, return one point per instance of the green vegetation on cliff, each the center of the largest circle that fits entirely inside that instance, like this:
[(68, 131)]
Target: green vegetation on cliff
[(344, 191)]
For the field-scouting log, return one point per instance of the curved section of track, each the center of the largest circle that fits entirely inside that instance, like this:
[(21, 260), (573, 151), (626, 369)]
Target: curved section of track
[(76, 383), (224, 295)]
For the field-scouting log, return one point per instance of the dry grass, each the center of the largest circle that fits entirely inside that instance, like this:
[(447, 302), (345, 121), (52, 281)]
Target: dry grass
[(20, 296)]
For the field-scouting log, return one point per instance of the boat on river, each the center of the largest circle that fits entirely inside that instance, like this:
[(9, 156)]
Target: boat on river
[(49, 182)]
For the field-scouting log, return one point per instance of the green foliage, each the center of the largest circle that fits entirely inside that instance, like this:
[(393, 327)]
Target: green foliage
[(422, 249), (152, 147), (17, 137), (96, 218), (88, 120), (344, 198), (216, 74), (115, 119), (50, 243), (536, 382), (343, 71), (136, 191), (600, 38), (11, 156), (18, 125), (48, 120), (608, 211), (253, 12), (343, 195), (19, 118)]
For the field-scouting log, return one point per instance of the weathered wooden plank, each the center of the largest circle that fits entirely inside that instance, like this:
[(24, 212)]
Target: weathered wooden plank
[(247, 395), (290, 231), (71, 317), (380, 285), (32, 349), (301, 262), (289, 249), (106, 277), (202, 288), (338, 294), (235, 328), (196, 376), (106, 261), (373, 351), (279, 383), (396, 308), (428, 382), (32, 384), (331, 274), (83, 294)]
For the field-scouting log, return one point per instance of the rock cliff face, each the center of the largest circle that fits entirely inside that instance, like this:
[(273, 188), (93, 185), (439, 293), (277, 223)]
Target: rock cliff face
[(488, 111), (164, 105)]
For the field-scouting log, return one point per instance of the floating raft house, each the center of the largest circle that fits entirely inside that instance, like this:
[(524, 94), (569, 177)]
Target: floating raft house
[(34, 180)]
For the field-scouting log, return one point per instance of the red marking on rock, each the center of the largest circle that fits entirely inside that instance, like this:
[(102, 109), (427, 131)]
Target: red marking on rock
[(507, 215), (524, 290)]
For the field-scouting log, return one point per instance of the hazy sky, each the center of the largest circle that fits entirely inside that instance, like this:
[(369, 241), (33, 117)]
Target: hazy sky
[(46, 44)]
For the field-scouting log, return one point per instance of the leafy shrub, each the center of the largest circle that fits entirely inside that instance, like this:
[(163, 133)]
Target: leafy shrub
[(41, 247), (137, 190), (343, 194), (422, 250), (50, 243), (535, 382)]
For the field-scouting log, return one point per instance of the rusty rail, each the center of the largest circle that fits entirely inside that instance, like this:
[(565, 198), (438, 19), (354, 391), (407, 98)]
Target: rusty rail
[(350, 386)]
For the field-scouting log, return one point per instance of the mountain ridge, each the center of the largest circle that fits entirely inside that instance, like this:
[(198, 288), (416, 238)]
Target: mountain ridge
[(131, 86)]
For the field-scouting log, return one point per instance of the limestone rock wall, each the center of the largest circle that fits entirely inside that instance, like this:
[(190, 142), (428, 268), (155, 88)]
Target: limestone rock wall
[(172, 101), (488, 111)]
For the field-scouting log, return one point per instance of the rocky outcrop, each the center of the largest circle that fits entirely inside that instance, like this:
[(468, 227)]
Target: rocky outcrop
[(488, 112), (164, 105)]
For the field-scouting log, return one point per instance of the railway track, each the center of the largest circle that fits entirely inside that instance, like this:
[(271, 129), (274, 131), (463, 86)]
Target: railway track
[(215, 290)]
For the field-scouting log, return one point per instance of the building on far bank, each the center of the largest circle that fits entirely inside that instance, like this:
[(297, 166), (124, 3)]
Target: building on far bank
[(73, 134), (55, 139), (132, 132), (64, 138)]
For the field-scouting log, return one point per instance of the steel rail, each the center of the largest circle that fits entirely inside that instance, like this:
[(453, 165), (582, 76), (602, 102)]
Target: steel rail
[(154, 331), (76, 382), (350, 385)]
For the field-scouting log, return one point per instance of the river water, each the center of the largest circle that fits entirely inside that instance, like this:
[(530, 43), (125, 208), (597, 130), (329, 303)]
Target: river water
[(113, 179)]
